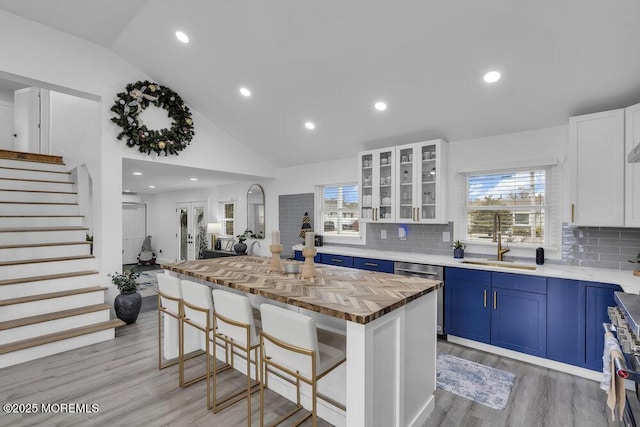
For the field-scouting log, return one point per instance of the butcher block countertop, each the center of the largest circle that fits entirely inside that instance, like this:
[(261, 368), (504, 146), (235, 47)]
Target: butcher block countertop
[(356, 295)]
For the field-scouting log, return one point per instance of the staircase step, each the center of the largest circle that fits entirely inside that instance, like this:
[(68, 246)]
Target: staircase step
[(41, 260), (30, 157), (17, 221), (23, 235), (44, 250), (38, 196), (34, 208), (21, 173), (34, 348), (35, 305), (43, 324), (35, 285), (35, 184), (16, 269)]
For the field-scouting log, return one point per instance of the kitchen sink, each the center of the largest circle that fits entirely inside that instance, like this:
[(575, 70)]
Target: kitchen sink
[(503, 264)]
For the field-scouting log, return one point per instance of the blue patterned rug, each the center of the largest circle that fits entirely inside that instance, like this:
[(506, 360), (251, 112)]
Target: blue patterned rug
[(480, 383)]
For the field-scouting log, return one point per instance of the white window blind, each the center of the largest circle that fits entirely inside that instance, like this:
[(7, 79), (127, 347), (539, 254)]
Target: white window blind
[(518, 199), (339, 210), (227, 220)]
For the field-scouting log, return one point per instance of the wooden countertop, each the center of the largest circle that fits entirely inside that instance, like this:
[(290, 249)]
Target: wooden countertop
[(356, 295)]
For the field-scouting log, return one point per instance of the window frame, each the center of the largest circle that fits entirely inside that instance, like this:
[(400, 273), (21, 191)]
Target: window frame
[(224, 219), (318, 227)]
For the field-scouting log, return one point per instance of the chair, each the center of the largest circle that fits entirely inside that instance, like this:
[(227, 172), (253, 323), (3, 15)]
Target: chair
[(169, 305), (234, 324), (289, 343), (198, 309)]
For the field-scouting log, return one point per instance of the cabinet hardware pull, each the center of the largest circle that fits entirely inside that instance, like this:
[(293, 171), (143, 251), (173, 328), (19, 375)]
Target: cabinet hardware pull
[(370, 264), (485, 298), (336, 260), (573, 212), (495, 300)]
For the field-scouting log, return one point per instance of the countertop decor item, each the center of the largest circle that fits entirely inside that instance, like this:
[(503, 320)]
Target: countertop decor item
[(458, 249), (135, 99), (636, 260), (309, 251), (127, 304), (306, 226), (241, 246), (276, 265)]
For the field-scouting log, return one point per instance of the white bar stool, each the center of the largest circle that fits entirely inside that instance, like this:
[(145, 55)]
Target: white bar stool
[(289, 343), (169, 307), (198, 310), (234, 324)]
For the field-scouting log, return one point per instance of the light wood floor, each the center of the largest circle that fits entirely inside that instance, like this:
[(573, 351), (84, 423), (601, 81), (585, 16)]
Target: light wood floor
[(121, 376)]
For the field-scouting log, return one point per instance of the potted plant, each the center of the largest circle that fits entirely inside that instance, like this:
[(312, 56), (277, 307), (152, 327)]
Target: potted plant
[(127, 304), (89, 239), (636, 260), (241, 246), (458, 249)]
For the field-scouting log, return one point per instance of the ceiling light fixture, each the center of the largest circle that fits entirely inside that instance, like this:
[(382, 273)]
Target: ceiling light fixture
[(137, 173), (182, 37), (310, 125), (492, 77), (152, 186), (245, 92), (193, 179), (127, 191), (380, 106)]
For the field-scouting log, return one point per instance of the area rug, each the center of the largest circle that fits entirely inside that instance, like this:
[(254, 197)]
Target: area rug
[(480, 383), (148, 283)]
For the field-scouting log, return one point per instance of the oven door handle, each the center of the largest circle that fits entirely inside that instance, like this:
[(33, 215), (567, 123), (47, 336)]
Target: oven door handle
[(422, 273)]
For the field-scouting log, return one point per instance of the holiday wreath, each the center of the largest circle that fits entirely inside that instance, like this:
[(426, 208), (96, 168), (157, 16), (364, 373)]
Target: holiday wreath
[(134, 100)]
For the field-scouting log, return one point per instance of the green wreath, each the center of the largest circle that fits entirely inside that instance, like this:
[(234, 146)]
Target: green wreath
[(134, 100)]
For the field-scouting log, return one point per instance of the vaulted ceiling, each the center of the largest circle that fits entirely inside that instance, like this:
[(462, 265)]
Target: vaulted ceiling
[(329, 61)]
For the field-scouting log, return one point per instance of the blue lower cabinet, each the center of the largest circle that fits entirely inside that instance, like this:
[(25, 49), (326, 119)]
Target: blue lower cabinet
[(599, 296), (339, 260), (297, 255), (467, 312), (381, 265), (566, 321)]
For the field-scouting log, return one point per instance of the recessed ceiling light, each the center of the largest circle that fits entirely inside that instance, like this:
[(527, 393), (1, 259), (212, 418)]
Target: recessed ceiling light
[(137, 173), (193, 179), (127, 191), (182, 37), (492, 77), (380, 106), (245, 92), (152, 186), (310, 125)]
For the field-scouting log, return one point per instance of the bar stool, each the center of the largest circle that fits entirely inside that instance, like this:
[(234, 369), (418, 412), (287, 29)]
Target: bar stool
[(289, 343), (169, 305), (198, 309), (234, 324)]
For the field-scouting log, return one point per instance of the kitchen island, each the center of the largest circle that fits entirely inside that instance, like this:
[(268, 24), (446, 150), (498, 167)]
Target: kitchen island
[(390, 325)]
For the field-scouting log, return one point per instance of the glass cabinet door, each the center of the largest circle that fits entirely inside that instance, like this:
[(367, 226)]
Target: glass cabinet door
[(366, 187), (385, 185), (406, 192), (428, 178)]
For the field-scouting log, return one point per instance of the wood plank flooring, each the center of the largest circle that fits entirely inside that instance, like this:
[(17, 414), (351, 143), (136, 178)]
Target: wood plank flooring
[(122, 377)]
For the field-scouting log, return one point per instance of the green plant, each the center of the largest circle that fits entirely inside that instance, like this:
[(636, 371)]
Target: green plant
[(247, 234), (458, 245), (635, 260), (126, 281), (89, 237)]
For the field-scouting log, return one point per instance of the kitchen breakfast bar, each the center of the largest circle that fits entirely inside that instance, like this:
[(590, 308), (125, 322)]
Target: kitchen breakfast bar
[(389, 322)]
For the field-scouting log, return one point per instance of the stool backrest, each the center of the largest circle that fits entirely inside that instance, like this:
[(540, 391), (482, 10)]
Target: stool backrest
[(170, 286), (291, 328), (197, 295), (238, 308)]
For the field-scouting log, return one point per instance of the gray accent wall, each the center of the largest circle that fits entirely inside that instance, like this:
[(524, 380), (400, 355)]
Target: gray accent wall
[(291, 209)]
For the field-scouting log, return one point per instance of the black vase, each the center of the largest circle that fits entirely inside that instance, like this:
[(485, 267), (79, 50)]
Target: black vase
[(127, 307), (240, 248)]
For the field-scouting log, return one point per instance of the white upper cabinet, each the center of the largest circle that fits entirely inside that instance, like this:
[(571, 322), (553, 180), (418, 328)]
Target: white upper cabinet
[(376, 180), (598, 157), (632, 170), (420, 173)]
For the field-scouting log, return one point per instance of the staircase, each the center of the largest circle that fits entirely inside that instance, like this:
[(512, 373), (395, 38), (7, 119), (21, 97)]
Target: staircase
[(49, 298)]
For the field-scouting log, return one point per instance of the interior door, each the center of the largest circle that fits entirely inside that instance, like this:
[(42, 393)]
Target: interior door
[(27, 115), (134, 230), (191, 230)]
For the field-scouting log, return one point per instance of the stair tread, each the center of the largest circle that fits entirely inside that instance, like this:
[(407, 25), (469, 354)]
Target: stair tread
[(41, 216), (37, 203), (36, 245), (49, 181), (38, 260), (31, 157), (46, 277), (59, 336), (50, 295), (21, 190), (21, 229), (41, 318)]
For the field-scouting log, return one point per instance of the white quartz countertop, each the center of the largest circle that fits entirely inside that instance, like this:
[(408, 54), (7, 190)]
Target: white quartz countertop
[(625, 279)]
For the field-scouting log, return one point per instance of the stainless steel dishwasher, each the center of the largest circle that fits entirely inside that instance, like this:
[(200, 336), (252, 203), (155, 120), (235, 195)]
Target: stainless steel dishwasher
[(427, 272)]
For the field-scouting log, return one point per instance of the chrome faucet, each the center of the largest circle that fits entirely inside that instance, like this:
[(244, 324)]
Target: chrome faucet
[(497, 237)]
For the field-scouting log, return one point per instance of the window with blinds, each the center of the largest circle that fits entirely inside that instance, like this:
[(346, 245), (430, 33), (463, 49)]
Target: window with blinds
[(227, 221), (516, 201), (339, 210)]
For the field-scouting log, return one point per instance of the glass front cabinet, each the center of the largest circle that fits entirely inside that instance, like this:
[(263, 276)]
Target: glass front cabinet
[(377, 182), (420, 177)]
